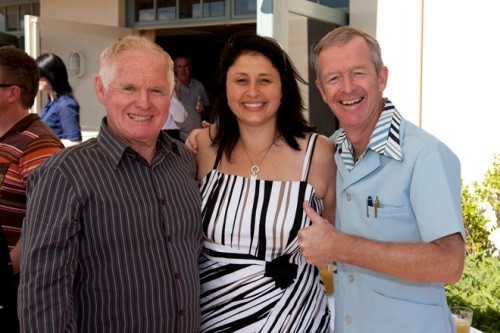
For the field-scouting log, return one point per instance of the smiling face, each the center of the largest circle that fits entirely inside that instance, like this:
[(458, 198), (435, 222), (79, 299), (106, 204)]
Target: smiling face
[(253, 89), (349, 84), (137, 98)]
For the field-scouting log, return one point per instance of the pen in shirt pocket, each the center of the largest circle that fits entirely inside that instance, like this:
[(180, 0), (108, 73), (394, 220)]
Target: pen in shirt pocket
[(369, 203), (375, 205)]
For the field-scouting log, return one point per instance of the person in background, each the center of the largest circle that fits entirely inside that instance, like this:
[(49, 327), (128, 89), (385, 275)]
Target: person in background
[(61, 112), (112, 233), (25, 142), (256, 168), (193, 97), (176, 114), (398, 234)]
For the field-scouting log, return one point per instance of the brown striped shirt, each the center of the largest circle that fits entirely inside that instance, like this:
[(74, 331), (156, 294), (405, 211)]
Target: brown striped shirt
[(25, 146), (111, 243)]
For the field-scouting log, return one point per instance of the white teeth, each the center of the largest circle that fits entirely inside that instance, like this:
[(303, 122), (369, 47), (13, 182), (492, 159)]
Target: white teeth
[(253, 105), (352, 101), (139, 118)]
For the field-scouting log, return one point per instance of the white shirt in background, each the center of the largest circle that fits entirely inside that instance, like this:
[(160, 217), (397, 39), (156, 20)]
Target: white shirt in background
[(177, 114)]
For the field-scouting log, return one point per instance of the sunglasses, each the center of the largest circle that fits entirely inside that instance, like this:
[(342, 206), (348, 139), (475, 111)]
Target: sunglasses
[(8, 85)]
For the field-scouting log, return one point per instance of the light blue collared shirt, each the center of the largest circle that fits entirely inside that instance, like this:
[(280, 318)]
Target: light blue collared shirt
[(419, 190), (384, 140)]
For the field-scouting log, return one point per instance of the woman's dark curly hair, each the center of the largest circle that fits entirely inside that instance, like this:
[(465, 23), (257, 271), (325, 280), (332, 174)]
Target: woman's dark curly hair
[(290, 123)]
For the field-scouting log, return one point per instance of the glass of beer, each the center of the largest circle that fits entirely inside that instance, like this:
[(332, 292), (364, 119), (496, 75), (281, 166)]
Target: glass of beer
[(462, 317), (326, 273), (200, 106)]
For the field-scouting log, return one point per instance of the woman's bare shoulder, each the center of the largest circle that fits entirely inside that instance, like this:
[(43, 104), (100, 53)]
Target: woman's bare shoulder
[(324, 146)]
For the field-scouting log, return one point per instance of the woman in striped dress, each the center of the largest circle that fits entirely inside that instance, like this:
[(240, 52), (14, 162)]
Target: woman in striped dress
[(257, 167)]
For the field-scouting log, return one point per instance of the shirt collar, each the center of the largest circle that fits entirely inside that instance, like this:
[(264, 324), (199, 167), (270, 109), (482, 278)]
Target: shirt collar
[(385, 138), (22, 124), (116, 148)]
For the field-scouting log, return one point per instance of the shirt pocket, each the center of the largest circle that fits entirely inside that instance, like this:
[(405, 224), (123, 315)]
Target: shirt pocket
[(392, 223), (391, 314)]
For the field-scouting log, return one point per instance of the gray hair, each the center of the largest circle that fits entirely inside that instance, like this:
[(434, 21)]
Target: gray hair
[(107, 70)]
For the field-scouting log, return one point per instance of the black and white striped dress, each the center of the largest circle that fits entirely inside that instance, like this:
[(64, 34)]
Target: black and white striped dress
[(247, 223)]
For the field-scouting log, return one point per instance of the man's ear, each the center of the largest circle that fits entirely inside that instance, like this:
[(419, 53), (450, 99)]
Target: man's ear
[(320, 88), (99, 88), (14, 94), (382, 78)]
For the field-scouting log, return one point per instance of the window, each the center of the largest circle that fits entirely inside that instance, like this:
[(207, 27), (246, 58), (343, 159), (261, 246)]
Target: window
[(145, 11), (12, 16), (340, 4), (200, 10), (245, 7), (167, 10)]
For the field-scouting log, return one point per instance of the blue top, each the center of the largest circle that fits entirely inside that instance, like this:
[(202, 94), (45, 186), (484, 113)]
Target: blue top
[(62, 116), (418, 192)]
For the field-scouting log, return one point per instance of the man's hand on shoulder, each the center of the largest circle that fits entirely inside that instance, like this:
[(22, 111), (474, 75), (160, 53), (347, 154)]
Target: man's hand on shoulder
[(191, 141)]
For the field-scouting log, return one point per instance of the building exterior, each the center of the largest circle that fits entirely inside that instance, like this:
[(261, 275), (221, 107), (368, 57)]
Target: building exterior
[(441, 54)]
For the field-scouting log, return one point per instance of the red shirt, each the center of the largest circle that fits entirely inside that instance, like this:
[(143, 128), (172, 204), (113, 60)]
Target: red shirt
[(25, 146)]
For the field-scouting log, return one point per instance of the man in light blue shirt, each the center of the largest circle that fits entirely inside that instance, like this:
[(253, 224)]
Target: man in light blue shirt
[(398, 234)]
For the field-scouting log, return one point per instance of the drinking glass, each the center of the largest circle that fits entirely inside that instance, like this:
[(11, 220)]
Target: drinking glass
[(326, 272), (462, 317), (200, 106)]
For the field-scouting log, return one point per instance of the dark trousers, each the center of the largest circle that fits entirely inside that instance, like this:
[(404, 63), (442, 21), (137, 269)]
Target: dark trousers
[(9, 322)]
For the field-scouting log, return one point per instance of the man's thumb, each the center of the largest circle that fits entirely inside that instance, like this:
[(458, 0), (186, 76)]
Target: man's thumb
[(315, 218)]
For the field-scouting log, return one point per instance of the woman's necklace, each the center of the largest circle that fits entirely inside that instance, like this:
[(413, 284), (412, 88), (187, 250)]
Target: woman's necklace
[(255, 167)]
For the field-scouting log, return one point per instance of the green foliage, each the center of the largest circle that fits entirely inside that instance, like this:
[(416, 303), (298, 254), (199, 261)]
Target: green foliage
[(479, 290), (479, 287), (489, 192), (475, 221)]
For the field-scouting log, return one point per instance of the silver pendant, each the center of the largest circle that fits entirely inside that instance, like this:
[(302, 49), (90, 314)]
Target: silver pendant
[(255, 170)]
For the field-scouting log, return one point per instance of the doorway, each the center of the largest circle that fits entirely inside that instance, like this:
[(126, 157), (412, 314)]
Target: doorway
[(7, 39), (202, 44)]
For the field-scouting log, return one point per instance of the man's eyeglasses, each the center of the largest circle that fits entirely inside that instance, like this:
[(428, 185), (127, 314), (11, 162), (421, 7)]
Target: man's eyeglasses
[(8, 85)]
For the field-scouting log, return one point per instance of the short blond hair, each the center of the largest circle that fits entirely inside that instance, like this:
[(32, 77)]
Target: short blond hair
[(343, 35), (109, 56)]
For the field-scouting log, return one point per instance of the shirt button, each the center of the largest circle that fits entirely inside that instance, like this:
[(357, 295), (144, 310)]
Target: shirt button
[(169, 239), (177, 276), (348, 197), (348, 319), (162, 202), (351, 278), (182, 312)]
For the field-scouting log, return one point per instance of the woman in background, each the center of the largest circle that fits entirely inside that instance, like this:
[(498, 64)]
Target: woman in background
[(61, 112)]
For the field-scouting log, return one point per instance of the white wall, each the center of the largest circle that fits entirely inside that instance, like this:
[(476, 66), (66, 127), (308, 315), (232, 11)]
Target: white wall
[(399, 32), (461, 71), (298, 50), (107, 12), (455, 100), (459, 65), (91, 111), (63, 37), (363, 14)]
